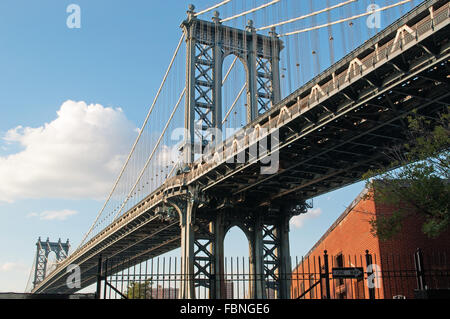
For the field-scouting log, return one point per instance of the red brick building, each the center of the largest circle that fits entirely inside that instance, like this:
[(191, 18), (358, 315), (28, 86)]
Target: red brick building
[(394, 271)]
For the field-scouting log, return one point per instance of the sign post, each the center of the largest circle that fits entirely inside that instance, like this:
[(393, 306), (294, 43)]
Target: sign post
[(348, 272)]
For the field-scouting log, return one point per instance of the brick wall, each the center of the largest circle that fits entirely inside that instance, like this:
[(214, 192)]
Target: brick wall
[(346, 243), (398, 253)]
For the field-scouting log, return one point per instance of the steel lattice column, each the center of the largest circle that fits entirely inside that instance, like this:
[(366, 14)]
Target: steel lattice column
[(202, 246), (270, 256), (187, 218), (201, 250)]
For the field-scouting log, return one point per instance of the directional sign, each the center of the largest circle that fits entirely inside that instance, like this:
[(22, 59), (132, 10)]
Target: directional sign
[(349, 272)]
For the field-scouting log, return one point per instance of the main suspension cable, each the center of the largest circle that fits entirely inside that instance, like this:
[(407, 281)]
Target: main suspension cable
[(345, 19), (306, 16), (252, 10), (234, 103), (212, 8)]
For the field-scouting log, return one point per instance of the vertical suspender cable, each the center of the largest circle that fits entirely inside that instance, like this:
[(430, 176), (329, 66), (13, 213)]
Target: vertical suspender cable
[(315, 43), (330, 36), (136, 141), (153, 151)]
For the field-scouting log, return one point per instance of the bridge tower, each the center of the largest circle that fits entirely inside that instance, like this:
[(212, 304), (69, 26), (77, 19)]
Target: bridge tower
[(204, 226), (43, 249), (207, 45)]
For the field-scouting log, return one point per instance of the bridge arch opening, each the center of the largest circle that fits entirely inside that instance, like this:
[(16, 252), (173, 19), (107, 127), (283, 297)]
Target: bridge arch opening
[(51, 262), (234, 95), (236, 264)]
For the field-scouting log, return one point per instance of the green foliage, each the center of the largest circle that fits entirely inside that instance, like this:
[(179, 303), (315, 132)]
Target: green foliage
[(139, 290), (417, 181)]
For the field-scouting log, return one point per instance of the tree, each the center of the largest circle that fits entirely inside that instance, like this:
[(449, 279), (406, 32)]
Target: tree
[(417, 180), (139, 290)]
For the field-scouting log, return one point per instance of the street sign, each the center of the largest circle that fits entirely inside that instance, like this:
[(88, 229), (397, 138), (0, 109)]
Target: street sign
[(349, 272)]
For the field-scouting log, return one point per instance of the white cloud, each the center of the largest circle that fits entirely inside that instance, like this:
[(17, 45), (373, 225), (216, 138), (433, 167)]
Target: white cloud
[(299, 220), (54, 214), (12, 266), (77, 155)]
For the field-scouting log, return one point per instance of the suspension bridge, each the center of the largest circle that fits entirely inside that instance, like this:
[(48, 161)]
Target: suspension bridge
[(280, 106)]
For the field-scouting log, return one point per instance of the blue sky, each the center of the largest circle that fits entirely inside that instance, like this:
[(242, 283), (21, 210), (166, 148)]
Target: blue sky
[(60, 85)]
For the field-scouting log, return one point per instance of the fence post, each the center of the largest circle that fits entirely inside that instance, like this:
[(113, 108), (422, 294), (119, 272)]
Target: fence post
[(431, 17), (212, 286), (369, 275), (420, 271), (321, 277), (326, 274), (99, 278), (105, 278)]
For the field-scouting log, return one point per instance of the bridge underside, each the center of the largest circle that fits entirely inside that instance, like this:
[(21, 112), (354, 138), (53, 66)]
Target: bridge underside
[(344, 136), (325, 146)]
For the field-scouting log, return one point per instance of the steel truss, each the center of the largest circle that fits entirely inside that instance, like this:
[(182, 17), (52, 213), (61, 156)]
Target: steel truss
[(203, 234), (43, 249)]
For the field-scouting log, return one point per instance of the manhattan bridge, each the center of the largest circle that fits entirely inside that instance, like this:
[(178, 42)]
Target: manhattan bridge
[(259, 111)]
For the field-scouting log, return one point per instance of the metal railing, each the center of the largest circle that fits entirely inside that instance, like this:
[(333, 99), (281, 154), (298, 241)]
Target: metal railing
[(316, 276)]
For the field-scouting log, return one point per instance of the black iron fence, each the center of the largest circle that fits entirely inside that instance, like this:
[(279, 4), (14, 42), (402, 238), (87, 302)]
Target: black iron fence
[(370, 276), (320, 276)]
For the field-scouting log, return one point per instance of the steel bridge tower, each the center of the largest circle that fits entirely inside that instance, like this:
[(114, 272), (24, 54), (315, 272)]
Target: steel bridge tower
[(207, 45), (203, 230), (43, 249)]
